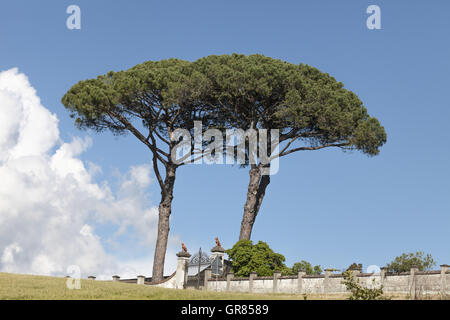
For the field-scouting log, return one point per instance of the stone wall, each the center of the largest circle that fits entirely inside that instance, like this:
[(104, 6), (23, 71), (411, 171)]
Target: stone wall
[(413, 283)]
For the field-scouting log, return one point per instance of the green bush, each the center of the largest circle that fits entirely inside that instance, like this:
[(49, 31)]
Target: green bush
[(406, 261), (359, 292), (306, 267), (355, 266), (247, 257)]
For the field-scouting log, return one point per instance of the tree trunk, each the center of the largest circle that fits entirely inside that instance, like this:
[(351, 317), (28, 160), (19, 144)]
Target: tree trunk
[(255, 195), (165, 209)]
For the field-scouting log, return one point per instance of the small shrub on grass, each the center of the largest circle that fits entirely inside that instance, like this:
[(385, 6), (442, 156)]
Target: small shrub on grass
[(359, 292)]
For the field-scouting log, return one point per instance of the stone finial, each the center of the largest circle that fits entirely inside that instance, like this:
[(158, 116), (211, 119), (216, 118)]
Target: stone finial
[(218, 247), (328, 272), (183, 253), (414, 268)]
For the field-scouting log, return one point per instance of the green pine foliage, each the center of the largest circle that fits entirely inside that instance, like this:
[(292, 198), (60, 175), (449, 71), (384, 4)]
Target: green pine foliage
[(306, 104)]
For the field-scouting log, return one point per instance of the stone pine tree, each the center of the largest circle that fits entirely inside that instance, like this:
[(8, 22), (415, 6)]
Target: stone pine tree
[(310, 108), (150, 101)]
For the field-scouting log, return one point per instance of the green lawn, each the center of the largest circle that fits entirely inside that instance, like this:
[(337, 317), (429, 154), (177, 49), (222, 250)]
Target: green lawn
[(20, 287)]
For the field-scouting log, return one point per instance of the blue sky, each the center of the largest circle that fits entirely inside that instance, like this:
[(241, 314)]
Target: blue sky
[(328, 207)]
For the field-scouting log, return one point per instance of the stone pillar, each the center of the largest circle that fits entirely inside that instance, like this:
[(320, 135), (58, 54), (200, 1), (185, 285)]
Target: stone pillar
[(116, 278), (276, 275), (181, 273), (207, 274), (444, 269), (229, 277), (218, 251), (383, 275), (412, 282), (140, 279), (300, 281), (326, 280), (253, 275), (91, 278)]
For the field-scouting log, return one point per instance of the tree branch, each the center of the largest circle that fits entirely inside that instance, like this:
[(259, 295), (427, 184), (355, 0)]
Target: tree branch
[(281, 154), (138, 135)]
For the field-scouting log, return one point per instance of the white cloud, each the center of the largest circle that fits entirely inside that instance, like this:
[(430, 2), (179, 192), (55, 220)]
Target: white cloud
[(49, 203), (9, 252), (27, 128)]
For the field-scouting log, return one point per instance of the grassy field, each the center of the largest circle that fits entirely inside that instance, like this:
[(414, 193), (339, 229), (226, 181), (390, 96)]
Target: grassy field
[(25, 287)]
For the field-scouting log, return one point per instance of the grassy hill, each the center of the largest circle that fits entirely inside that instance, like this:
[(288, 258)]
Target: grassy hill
[(26, 287)]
